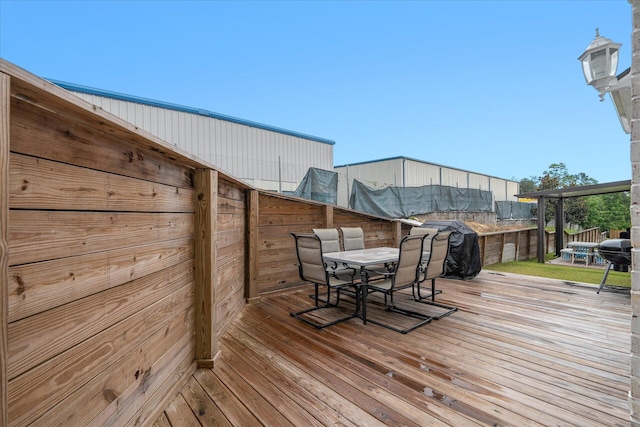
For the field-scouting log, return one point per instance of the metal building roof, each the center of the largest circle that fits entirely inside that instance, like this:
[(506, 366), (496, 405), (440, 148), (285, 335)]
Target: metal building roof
[(160, 104), (419, 161)]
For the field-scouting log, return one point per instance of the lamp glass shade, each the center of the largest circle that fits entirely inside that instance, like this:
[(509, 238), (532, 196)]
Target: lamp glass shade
[(613, 63), (600, 62)]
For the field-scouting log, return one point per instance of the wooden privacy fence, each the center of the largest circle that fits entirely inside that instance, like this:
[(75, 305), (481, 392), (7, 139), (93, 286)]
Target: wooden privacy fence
[(274, 217), (124, 260)]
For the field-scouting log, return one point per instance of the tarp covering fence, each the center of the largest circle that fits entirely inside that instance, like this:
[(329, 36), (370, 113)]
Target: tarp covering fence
[(515, 210), (403, 202), (320, 185)]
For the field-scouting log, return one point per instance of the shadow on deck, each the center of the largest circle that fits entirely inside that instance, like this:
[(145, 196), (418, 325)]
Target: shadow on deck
[(520, 351)]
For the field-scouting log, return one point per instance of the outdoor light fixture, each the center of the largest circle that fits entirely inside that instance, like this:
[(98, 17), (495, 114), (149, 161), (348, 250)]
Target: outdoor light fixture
[(599, 65)]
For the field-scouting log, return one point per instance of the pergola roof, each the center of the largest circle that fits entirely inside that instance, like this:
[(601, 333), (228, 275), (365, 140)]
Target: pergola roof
[(580, 190), (563, 193)]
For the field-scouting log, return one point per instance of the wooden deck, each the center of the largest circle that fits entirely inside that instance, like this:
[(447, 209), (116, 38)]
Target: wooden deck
[(521, 351)]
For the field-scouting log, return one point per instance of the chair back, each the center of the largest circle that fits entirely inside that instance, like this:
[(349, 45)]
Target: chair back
[(352, 238), (407, 269), (329, 238), (310, 264), (438, 257), (424, 231)]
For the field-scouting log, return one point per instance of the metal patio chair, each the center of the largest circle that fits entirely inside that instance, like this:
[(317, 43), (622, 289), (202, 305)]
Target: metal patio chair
[(352, 240), (330, 240), (426, 246), (433, 269), (405, 274), (312, 268)]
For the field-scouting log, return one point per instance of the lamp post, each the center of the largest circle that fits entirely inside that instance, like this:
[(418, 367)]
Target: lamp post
[(599, 65)]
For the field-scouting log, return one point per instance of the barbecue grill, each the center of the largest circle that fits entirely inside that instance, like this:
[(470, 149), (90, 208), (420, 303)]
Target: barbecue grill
[(617, 253)]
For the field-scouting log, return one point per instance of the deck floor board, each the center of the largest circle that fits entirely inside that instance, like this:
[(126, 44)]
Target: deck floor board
[(521, 351)]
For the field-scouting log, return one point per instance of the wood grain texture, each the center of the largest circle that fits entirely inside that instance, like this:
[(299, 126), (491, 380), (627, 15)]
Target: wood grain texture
[(43, 184), (36, 287), (98, 258), (253, 208), (180, 414), (37, 338), (206, 187), (156, 375), (520, 351), (231, 263), (36, 236), (63, 391), (5, 117), (67, 139), (200, 405)]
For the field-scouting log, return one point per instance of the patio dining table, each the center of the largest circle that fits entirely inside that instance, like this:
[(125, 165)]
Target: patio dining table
[(363, 258), (583, 250)]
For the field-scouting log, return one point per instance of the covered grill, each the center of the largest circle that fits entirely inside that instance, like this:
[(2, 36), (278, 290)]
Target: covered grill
[(617, 253)]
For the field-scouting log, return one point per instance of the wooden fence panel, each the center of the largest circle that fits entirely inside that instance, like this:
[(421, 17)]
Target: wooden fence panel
[(134, 342), (40, 286), (100, 271), (84, 141), (231, 241)]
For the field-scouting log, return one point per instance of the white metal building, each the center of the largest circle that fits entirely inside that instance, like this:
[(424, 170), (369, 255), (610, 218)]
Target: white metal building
[(263, 156), (408, 172), (273, 158)]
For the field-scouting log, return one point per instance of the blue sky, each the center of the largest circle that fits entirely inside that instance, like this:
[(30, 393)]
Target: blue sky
[(493, 87)]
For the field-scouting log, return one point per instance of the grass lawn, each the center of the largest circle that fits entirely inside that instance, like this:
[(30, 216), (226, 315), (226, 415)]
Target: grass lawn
[(562, 272)]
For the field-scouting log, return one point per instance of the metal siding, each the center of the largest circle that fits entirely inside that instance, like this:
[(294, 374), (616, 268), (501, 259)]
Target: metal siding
[(419, 174), (244, 151), (376, 175), (454, 178), (498, 189), (513, 188), (479, 182), (379, 174)]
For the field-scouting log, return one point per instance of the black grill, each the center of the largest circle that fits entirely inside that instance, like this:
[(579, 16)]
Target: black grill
[(616, 251)]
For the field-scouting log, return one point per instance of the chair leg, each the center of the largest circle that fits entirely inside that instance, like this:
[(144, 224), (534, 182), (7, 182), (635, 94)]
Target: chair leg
[(419, 298), (391, 307), (349, 292), (327, 304)]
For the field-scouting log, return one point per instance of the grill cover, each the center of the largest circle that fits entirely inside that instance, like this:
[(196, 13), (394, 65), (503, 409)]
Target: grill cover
[(463, 261)]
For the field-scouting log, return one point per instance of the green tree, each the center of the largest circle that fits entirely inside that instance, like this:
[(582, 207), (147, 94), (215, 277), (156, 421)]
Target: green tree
[(606, 211), (609, 211), (528, 185), (555, 177)]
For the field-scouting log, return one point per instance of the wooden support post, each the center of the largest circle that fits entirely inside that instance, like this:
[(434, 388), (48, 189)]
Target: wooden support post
[(541, 232), (206, 186), (5, 94), (559, 226), (396, 232), (251, 286), (484, 250), (517, 245), (502, 243), (327, 217)]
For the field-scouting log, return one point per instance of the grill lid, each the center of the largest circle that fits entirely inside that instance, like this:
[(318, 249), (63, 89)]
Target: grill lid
[(616, 251), (615, 245)]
